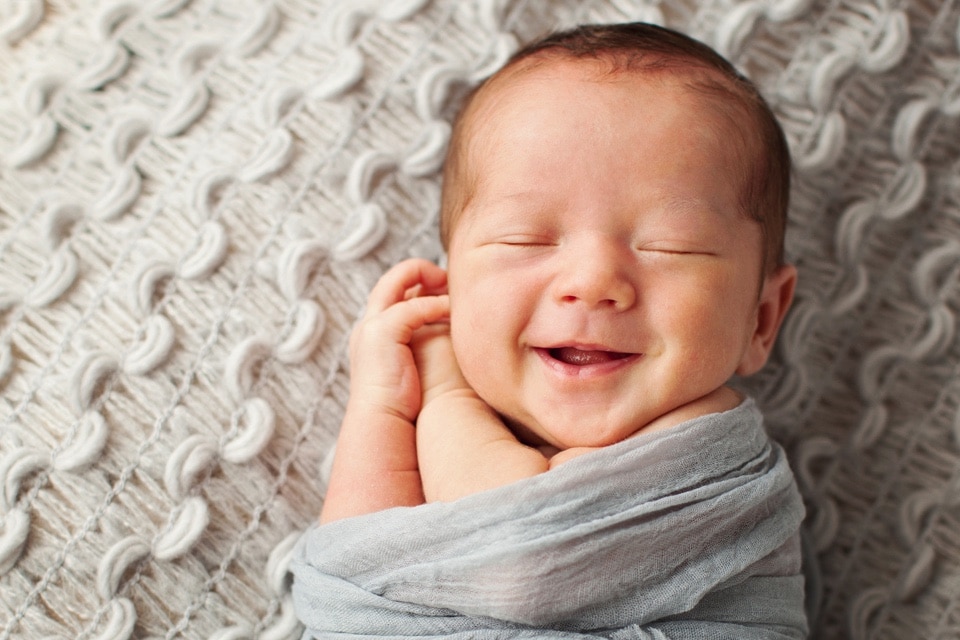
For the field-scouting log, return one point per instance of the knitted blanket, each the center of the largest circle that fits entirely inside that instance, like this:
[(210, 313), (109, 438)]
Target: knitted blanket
[(196, 196), (687, 533)]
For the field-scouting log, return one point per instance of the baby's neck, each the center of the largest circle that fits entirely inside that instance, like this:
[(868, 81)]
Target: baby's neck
[(719, 400), (722, 399)]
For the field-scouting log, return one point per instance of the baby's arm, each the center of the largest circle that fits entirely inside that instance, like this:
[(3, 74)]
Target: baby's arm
[(462, 444), (375, 466)]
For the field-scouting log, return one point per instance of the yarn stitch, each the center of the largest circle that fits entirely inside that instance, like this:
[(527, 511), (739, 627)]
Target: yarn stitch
[(196, 196)]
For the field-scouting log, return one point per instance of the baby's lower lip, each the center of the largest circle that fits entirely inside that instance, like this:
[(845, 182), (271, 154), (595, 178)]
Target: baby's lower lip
[(581, 362), (585, 357)]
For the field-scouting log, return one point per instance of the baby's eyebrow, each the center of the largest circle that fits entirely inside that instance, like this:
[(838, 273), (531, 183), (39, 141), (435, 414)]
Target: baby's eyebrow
[(693, 207), (669, 208), (687, 203), (525, 202), (520, 196)]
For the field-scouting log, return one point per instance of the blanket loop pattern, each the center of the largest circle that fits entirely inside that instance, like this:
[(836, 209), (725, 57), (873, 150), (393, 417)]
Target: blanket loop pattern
[(182, 255)]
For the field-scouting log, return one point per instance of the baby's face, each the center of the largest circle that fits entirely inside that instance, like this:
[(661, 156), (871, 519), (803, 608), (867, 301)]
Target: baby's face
[(601, 275)]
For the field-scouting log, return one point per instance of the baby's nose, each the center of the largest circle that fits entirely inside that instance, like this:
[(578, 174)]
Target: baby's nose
[(600, 279)]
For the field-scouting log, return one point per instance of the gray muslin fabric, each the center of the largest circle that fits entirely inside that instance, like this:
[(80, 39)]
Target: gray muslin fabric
[(690, 533)]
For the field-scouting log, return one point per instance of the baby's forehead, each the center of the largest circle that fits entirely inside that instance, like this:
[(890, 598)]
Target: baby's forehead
[(708, 87), (721, 111), (719, 106)]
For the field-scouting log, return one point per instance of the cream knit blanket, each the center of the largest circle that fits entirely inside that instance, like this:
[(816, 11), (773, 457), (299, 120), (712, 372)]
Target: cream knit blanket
[(196, 195)]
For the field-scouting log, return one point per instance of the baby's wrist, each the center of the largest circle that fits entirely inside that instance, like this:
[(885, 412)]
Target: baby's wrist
[(449, 390), (368, 408)]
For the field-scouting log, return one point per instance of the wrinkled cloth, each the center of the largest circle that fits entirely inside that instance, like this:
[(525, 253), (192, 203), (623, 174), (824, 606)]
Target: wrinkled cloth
[(691, 532)]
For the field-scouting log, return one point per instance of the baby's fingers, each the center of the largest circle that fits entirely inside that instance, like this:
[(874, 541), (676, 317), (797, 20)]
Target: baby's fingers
[(400, 321), (377, 336), (396, 284)]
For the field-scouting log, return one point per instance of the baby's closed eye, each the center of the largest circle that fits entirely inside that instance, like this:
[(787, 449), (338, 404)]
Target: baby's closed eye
[(677, 248), (526, 241)]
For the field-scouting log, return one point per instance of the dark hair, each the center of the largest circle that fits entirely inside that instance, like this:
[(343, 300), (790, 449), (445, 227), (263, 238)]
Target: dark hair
[(640, 47)]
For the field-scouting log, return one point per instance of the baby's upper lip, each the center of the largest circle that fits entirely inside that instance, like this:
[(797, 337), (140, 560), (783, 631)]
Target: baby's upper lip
[(584, 356), (584, 346)]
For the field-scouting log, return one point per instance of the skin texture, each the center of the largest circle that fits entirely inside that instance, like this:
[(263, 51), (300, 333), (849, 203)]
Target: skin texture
[(602, 282)]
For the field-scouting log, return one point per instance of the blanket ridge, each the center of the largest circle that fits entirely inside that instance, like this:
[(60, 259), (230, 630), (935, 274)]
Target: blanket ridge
[(674, 534)]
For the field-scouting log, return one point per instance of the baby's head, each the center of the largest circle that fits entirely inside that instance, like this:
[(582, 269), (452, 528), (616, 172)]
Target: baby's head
[(612, 199), (648, 51)]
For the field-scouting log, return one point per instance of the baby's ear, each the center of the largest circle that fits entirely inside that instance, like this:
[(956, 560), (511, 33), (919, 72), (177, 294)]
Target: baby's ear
[(774, 301)]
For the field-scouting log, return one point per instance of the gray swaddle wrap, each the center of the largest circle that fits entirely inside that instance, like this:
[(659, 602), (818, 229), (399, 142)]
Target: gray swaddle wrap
[(691, 532)]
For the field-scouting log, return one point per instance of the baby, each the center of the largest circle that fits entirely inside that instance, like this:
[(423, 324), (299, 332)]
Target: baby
[(555, 405), (613, 211)]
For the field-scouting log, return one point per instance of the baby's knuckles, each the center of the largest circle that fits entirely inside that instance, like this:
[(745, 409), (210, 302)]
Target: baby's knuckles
[(383, 373)]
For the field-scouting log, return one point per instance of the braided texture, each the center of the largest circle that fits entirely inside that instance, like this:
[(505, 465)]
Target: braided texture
[(196, 196)]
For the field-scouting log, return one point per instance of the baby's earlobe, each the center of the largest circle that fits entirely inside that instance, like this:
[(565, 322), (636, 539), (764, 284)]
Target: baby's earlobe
[(775, 300)]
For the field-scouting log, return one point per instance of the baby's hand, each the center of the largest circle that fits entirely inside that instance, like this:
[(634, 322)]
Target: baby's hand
[(439, 372), (383, 373), (463, 445)]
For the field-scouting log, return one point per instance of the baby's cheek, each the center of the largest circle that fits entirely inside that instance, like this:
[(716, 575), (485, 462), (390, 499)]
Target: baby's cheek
[(462, 339)]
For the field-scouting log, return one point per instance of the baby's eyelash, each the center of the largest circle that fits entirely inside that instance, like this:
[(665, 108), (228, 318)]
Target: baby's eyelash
[(677, 253), (675, 249), (525, 242)]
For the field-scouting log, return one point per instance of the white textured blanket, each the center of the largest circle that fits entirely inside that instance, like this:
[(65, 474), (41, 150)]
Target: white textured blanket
[(684, 534), (197, 195)]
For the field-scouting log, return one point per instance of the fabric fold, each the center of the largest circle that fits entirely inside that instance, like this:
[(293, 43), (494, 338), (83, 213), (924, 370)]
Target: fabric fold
[(686, 533)]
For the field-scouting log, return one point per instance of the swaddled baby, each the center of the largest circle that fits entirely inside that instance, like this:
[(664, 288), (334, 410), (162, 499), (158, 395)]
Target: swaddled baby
[(613, 211)]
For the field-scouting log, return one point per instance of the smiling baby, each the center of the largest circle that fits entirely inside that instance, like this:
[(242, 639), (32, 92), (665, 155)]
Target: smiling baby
[(540, 441), (613, 209)]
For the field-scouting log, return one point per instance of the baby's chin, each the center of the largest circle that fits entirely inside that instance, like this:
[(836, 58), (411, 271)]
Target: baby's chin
[(580, 433), (594, 429)]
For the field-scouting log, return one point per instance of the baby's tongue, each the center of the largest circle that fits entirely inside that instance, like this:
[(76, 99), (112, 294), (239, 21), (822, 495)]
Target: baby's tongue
[(581, 358)]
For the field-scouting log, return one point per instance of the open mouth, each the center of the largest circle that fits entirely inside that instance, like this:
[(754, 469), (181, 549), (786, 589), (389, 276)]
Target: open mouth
[(585, 357)]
